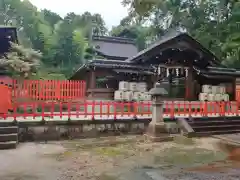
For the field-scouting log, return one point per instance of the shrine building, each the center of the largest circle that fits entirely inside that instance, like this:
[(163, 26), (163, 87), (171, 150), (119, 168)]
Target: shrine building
[(176, 61)]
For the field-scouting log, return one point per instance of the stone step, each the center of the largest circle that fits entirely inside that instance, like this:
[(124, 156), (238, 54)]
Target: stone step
[(210, 122), (8, 130), (212, 126), (8, 137), (8, 145), (220, 126), (209, 133), (7, 124)]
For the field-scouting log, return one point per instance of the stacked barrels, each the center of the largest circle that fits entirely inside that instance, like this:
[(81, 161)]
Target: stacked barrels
[(132, 91), (213, 93)]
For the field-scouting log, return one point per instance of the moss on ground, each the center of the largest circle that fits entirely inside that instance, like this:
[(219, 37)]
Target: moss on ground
[(184, 140), (181, 156), (110, 151)]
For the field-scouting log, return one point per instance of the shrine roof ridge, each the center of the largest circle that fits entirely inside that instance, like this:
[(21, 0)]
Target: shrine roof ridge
[(113, 65), (114, 39), (173, 38)]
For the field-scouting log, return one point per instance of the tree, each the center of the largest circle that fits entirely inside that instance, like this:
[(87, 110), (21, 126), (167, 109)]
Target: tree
[(231, 47), (51, 17), (63, 42), (22, 62), (215, 23)]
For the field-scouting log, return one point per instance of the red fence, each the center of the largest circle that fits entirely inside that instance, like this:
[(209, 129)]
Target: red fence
[(48, 90), (197, 108), (80, 110), (115, 110)]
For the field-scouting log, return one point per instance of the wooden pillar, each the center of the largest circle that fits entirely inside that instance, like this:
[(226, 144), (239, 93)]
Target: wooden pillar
[(190, 84), (92, 83), (233, 90), (93, 80)]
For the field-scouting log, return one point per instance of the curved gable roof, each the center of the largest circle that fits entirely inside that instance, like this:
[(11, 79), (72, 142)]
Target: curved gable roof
[(170, 40)]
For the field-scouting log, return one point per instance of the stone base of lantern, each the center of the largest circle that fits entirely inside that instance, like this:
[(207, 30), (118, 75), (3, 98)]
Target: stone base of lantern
[(157, 133)]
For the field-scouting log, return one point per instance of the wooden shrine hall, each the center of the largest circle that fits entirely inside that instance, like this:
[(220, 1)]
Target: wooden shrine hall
[(177, 61)]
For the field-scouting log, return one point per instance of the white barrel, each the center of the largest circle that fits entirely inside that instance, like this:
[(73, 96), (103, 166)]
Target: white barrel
[(142, 96), (215, 89), (119, 95), (222, 89), (147, 96), (206, 88), (128, 95), (137, 96), (203, 97), (211, 97), (133, 86), (123, 86), (142, 87), (225, 97), (218, 97)]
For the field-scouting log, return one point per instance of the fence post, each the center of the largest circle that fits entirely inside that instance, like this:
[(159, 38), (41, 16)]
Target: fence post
[(156, 130)]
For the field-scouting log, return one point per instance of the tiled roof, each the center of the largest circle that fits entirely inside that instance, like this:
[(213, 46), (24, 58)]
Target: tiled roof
[(114, 64), (168, 40), (114, 46)]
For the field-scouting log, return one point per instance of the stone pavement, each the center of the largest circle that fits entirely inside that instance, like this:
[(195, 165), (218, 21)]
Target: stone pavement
[(179, 174)]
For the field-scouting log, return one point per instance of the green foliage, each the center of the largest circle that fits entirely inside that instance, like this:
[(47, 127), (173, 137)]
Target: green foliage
[(135, 31), (214, 23), (65, 42), (62, 41), (21, 61)]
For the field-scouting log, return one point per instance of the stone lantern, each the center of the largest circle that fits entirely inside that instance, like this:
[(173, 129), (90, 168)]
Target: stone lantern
[(156, 130)]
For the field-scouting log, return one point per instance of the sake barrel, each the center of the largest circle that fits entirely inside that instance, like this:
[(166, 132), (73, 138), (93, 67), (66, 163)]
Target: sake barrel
[(128, 95), (203, 97), (222, 89), (142, 87), (123, 86), (119, 95), (218, 97), (206, 88), (142, 96), (137, 96), (225, 97), (215, 89), (147, 96), (133, 86), (211, 97)]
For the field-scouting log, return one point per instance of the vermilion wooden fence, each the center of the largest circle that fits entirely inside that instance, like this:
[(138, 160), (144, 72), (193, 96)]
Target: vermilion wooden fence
[(91, 110), (5, 98), (174, 109), (81, 110), (48, 90)]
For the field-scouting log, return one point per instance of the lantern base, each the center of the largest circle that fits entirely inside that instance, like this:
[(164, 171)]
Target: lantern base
[(157, 133)]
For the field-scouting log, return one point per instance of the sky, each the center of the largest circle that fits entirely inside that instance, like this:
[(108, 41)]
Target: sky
[(112, 11)]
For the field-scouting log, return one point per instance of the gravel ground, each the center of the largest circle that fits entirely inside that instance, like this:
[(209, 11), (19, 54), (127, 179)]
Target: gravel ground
[(118, 158)]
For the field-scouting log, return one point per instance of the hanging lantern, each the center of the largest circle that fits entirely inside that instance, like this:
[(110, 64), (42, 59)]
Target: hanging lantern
[(186, 70), (177, 72), (159, 70)]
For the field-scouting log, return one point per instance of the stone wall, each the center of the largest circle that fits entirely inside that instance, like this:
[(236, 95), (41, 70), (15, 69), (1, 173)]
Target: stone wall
[(56, 132)]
